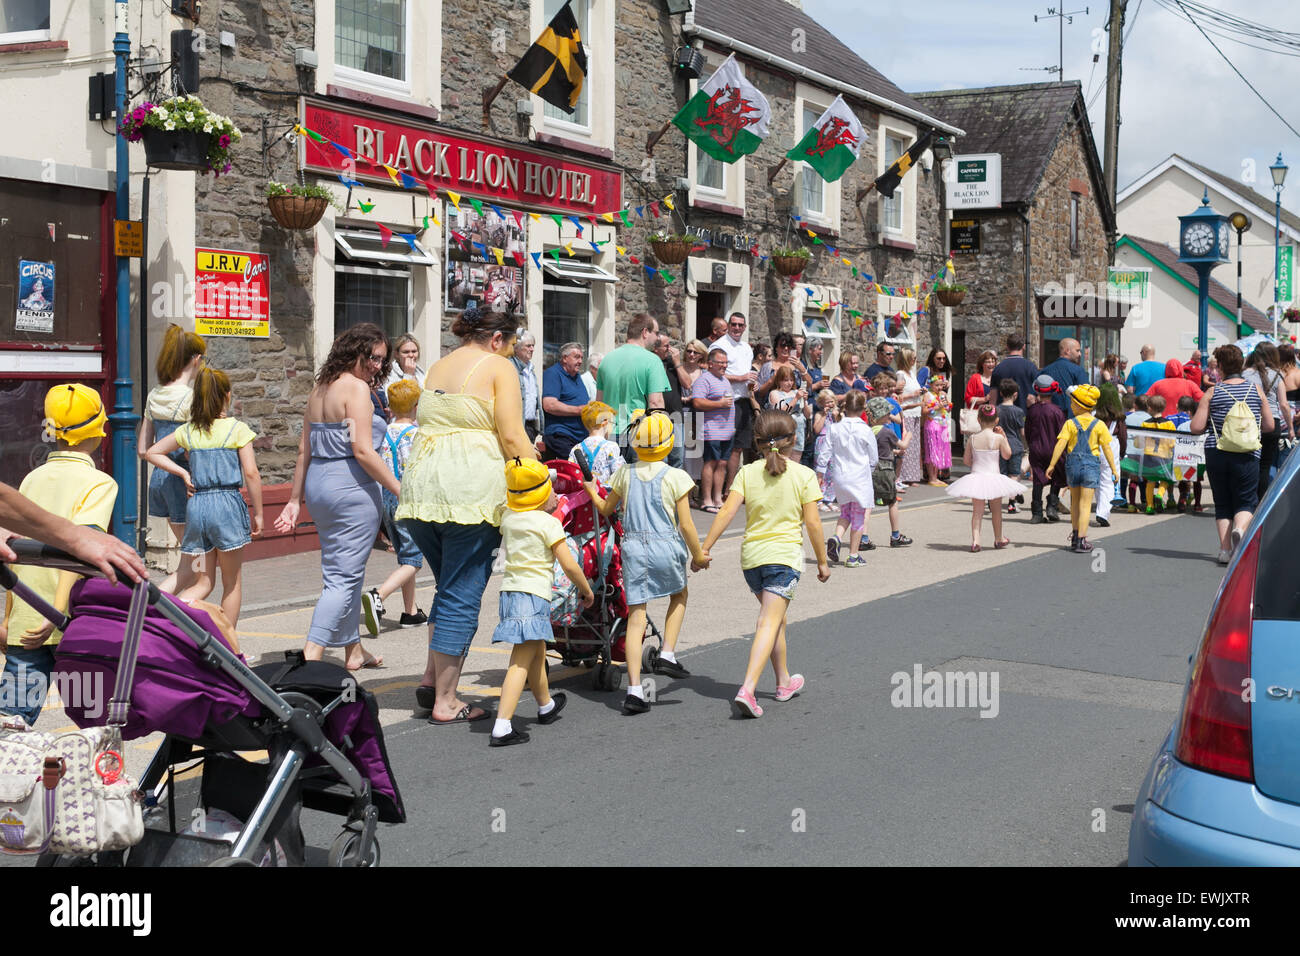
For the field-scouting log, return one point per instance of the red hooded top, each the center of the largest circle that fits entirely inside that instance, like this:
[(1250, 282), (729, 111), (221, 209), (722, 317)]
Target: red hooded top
[(1174, 386)]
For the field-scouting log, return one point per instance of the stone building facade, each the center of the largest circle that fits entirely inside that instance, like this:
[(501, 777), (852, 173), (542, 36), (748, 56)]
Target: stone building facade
[(1041, 269)]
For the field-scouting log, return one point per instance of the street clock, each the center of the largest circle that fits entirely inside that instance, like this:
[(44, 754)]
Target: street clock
[(1203, 236)]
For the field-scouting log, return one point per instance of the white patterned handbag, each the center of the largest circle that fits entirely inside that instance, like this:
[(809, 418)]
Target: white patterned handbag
[(68, 793), (65, 793)]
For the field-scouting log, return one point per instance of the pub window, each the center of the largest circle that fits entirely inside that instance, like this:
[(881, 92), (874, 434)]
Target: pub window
[(24, 21), (566, 305), (373, 282), (1074, 222), (892, 209), (710, 174), (371, 37), (813, 191), (581, 115)]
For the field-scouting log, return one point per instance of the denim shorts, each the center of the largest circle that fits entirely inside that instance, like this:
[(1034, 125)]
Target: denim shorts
[(25, 681), (217, 519), (167, 496), (524, 617), (407, 552), (460, 557), (780, 579), (719, 449)]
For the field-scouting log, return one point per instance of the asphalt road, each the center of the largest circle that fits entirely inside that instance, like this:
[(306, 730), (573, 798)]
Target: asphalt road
[(1089, 651)]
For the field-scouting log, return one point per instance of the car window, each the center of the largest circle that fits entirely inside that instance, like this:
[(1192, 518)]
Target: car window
[(1276, 596)]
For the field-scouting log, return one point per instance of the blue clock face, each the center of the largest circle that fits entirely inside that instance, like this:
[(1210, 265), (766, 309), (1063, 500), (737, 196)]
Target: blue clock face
[(1199, 239)]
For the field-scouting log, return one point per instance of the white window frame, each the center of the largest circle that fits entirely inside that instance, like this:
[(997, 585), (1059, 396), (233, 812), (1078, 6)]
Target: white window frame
[(591, 321), (354, 77), (732, 192), (30, 36), (420, 256), (887, 306), (351, 269), (905, 194), (598, 42), (899, 200), (576, 270), (812, 98), (801, 307)]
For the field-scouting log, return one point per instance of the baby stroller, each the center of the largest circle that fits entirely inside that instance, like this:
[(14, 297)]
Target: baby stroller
[(319, 728), (593, 637)]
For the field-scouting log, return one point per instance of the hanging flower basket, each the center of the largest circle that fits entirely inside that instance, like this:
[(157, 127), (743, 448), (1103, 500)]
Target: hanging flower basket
[(950, 295), (791, 266), (181, 133), (671, 250), (184, 150), (296, 206)]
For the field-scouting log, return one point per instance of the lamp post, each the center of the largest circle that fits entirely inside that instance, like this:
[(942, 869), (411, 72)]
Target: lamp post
[(1241, 222), (1279, 170)]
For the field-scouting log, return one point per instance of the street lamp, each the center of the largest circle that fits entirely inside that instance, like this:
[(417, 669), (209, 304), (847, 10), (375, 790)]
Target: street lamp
[(1278, 170), (1241, 222)]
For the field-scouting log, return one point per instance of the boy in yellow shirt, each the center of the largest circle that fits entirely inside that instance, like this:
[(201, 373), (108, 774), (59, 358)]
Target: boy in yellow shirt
[(68, 485), (1083, 461)]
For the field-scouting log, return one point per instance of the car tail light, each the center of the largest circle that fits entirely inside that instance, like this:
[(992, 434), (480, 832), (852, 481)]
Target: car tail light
[(1214, 733)]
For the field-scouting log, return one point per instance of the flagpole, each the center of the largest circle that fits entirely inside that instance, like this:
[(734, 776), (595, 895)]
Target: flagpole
[(489, 95), (654, 138), (771, 173)]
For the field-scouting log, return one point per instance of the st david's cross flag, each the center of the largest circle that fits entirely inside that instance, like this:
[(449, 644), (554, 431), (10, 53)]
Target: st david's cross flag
[(727, 117), (555, 66), (831, 144), (892, 176)]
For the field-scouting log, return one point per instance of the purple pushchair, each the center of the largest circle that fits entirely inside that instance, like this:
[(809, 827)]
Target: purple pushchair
[(319, 728)]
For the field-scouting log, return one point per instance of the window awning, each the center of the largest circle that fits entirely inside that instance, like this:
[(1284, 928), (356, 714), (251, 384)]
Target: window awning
[(578, 271), (364, 246)]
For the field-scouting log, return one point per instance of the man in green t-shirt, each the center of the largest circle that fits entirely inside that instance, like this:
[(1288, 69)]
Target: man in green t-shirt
[(632, 377)]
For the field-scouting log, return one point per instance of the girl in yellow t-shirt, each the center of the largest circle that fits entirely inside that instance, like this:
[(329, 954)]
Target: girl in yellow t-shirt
[(531, 540), (778, 496)]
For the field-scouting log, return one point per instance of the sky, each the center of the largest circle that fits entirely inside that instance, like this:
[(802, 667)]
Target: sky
[(1177, 94)]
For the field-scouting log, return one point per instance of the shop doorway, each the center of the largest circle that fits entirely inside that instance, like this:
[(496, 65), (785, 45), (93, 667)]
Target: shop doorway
[(708, 306)]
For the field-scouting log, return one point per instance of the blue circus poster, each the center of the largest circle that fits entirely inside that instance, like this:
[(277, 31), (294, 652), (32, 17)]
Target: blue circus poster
[(35, 297)]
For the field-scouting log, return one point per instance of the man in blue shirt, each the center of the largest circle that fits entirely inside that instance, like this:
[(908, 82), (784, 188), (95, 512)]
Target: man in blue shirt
[(1017, 368), (1146, 372), (563, 395), (1067, 372)]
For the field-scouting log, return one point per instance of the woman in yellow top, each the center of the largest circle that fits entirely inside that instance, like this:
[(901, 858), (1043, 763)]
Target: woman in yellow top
[(454, 488), (1083, 461), (778, 496)]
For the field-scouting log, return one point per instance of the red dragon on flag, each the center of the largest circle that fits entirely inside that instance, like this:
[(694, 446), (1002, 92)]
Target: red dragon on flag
[(727, 117), (834, 132)]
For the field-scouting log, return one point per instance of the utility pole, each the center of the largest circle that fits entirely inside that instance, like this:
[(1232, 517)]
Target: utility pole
[(1061, 16), (1114, 64)]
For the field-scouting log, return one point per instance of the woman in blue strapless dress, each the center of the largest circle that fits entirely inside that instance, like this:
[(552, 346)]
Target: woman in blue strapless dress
[(339, 474)]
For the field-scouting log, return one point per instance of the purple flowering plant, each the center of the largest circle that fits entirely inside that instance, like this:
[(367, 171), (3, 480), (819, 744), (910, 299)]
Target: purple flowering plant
[(186, 113)]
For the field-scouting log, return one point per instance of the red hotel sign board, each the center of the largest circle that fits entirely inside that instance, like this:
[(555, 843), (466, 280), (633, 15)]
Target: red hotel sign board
[(483, 168)]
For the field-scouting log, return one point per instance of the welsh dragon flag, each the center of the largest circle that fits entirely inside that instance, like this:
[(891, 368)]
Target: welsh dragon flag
[(831, 144), (728, 117)]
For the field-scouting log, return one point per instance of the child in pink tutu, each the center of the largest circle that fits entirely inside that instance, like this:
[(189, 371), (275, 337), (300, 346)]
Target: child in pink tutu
[(986, 484), (935, 409)]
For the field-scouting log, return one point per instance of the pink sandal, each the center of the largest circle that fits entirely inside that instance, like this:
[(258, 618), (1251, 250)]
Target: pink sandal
[(999, 545)]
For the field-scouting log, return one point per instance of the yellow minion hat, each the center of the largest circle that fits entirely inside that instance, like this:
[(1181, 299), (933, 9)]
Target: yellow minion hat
[(528, 484), (592, 413), (653, 438), (75, 412), (1085, 396)]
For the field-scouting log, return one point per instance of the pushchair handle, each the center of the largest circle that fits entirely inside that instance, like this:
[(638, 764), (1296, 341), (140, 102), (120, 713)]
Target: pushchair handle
[(30, 551), (580, 457)]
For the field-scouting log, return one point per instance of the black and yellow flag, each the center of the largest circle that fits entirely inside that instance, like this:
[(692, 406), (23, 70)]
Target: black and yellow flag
[(556, 64), (892, 176)]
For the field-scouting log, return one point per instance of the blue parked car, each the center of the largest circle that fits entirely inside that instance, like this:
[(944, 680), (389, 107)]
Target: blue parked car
[(1224, 789)]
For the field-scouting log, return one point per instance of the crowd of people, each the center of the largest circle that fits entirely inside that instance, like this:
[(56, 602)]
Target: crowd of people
[(716, 425)]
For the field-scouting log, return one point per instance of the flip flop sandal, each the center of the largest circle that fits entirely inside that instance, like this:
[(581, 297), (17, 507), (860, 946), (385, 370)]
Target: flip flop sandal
[(461, 718)]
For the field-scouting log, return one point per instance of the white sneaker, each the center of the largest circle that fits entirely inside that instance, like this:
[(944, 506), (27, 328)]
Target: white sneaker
[(372, 610)]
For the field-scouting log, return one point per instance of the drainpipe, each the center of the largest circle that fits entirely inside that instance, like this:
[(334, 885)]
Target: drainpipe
[(1029, 289), (125, 515)]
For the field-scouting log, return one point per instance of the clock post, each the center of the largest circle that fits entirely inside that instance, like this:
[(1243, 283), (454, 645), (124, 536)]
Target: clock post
[(1203, 244)]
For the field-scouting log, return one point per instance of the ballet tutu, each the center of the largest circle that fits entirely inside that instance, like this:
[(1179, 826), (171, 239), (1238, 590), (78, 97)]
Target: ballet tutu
[(986, 486)]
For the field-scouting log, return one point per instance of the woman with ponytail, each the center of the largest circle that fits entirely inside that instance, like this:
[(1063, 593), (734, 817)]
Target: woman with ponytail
[(221, 462), (779, 496), (166, 408)]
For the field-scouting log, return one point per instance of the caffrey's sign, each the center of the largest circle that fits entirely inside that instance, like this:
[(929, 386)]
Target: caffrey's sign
[(482, 168)]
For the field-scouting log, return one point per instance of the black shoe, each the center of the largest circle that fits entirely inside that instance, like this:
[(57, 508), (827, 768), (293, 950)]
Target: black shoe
[(634, 705), (559, 698), (1103, 523), (1020, 499), (866, 546), (832, 550), (414, 620), (902, 541), (1052, 513), (671, 668), (1037, 518), (514, 737), (425, 697)]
